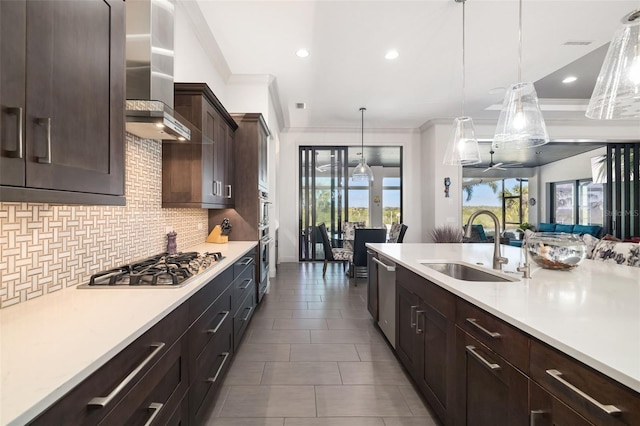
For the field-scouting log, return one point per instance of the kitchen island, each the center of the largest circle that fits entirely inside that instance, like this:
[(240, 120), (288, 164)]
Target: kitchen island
[(591, 313), (51, 344)]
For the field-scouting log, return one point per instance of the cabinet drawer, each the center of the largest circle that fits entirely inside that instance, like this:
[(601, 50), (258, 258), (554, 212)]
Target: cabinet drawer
[(547, 410), (210, 324), (440, 299), (118, 376), (241, 265), (593, 395), (241, 286), (499, 336), (209, 370), (243, 316), (156, 396), (199, 302)]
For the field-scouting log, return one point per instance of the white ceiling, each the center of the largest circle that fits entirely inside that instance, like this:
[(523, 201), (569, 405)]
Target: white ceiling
[(348, 40)]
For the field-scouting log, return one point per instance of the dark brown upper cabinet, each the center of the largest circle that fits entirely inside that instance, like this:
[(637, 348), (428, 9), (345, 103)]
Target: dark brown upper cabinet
[(200, 174), (62, 68)]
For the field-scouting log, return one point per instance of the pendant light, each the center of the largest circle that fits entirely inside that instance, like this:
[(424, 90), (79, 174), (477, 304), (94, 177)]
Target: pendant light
[(520, 124), (617, 91), (463, 146), (362, 172)]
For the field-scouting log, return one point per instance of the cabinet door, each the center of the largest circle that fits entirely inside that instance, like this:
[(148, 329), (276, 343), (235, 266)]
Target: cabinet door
[(407, 345), (438, 345), (220, 160), (75, 96), (263, 160), (546, 410), (13, 27), (229, 171), (210, 186), (372, 287), (490, 391)]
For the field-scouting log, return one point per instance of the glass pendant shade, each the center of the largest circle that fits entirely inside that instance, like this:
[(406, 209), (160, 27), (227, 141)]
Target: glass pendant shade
[(617, 92), (362, 172), (521, 124), (463, 146)]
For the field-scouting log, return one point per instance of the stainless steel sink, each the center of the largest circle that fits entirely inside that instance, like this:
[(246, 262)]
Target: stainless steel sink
[(463, 272)]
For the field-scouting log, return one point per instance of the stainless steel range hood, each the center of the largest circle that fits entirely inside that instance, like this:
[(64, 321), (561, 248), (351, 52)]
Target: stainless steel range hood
[(149, 106)]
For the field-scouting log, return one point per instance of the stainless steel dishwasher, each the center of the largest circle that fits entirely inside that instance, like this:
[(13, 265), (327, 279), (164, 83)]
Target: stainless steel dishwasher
[(386, 297)]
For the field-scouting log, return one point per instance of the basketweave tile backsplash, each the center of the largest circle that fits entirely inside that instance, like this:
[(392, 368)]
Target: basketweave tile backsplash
[(46, 247)]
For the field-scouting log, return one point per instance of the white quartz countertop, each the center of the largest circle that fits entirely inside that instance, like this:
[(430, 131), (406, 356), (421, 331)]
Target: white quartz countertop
[(591, 313), (50, 344)]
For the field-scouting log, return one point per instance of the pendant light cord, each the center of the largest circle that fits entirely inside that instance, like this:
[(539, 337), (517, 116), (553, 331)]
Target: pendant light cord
[(463, 56), (362, 133), (520, 43)]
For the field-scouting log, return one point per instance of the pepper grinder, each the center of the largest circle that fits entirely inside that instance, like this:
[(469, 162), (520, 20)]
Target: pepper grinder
[(172, 246)]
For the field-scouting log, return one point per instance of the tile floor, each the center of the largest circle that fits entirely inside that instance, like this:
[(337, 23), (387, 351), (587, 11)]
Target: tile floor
[(312, 357)]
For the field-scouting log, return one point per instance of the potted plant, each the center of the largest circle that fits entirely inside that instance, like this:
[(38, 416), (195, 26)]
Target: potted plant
[(523, 227)]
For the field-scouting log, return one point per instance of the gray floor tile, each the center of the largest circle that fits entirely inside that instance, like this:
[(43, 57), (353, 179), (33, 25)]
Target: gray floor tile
[(360, 400), (324, 352), (336, 421), (245, 422), (373, 373), (244, 373), (317, 313), (375, 352), (272, 313), (285, 305), (350, 324), (409, 421), (344, 336), (300, 298), (355, 313), (337, 305), (415, 403), (300, 324), (301, 373), (263, 352), (261, 323), (222, 397), (279, 336), (270, 401)]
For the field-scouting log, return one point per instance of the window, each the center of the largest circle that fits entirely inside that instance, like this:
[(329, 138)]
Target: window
[(391, 200), (579, 201)]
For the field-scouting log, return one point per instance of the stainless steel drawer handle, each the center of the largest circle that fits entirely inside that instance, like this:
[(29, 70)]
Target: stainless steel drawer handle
[(490, 365), (612, 410), (103, 401), (228, 191), (492, 334), (418, 329), (246, 261), (413, 312), (534, 415), (46, 122), (248, 314), (217, 327), (156, 407), (248, 281), (17, 153), (384, 265), (214, 378)]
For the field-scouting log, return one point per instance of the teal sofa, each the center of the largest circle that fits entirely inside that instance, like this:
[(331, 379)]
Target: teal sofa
[(595, 230)]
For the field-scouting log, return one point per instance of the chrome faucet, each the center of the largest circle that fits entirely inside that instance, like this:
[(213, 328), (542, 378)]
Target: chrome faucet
[(498, 260)]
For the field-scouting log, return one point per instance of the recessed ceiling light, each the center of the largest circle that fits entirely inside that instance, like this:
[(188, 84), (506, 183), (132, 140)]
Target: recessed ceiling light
[(302, 53), (569, 79), (392, 54)]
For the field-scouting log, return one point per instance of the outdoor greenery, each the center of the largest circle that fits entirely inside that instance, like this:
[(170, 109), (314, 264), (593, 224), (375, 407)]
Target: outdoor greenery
[(511, 205)]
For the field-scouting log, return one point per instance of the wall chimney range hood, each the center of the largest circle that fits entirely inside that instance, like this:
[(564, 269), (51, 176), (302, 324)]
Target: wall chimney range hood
[(149, 105)]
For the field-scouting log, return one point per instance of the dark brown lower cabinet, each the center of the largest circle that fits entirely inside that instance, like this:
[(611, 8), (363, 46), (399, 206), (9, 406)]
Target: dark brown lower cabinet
[(490, 391), (547, 410)]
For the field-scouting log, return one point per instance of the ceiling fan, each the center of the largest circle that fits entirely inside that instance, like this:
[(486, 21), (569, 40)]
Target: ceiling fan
[(498, 166)]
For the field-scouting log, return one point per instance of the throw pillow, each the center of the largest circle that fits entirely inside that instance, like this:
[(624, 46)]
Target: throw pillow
[(587, 229), (546, 227), (618, 252), (564, 228), (591, 242)]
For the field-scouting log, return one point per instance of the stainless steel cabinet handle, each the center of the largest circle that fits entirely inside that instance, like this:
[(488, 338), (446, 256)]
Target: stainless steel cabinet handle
[(384, 265), (246, 261), (248, 281), (472, 350), (156, 407), (413, 311), (17, 153), (418, 329), (534, 415), (214, 378), (217, 327), (612, 410), (228, 191), (248, 314), (46, 159), (492, 334), (214, 188), (220, 188), (103, 401)]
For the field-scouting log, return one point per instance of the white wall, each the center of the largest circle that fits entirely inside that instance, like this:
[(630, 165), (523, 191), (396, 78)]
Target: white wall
[(290, 142)]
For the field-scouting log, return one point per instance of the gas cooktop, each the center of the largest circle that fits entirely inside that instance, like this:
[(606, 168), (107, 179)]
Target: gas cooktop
[(160, 271)]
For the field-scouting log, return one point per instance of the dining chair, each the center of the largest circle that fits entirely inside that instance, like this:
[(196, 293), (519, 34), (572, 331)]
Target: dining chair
[(396, 233), (363, 236), (332, 254)]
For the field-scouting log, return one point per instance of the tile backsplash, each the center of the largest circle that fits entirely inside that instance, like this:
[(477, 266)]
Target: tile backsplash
[(46, 247)]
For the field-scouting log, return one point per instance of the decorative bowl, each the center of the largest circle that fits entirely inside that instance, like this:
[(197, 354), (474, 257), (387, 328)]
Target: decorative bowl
[(556, 250)]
